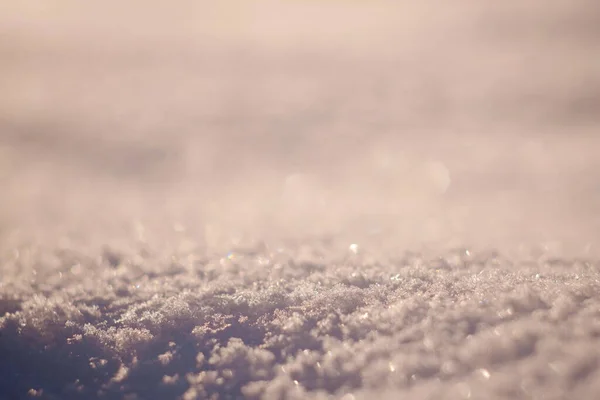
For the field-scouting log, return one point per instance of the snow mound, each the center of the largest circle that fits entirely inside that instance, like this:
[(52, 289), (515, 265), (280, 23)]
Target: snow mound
[(270, 325)]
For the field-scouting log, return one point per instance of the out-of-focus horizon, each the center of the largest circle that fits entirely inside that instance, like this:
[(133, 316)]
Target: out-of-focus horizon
[(472, 123)]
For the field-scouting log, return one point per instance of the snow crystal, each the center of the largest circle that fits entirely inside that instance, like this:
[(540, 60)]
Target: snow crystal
[(475, 321)]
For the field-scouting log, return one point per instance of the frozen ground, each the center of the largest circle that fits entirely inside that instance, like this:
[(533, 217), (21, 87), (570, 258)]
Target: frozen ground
[(299, 199)]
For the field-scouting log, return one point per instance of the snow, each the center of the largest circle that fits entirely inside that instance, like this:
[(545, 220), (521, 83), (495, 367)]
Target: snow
[(424, 328), (299, 215)]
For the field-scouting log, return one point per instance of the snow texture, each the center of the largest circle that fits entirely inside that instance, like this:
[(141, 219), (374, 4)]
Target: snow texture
[(213, 202), (275, 324)]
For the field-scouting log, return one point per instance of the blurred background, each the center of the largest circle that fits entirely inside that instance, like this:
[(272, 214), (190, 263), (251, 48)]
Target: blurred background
[(414, 124)]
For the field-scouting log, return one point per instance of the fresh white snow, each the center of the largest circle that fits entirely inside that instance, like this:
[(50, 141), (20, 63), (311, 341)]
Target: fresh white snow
[(299, 200)]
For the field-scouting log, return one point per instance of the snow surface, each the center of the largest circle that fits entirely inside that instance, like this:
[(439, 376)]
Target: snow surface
[(281, 324), (206, 202)]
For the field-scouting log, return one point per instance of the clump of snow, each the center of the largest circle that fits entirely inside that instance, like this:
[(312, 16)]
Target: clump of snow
[(418, 327)]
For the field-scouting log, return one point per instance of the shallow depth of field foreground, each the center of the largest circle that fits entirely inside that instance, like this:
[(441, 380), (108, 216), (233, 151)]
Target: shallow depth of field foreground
[(299, 200)]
